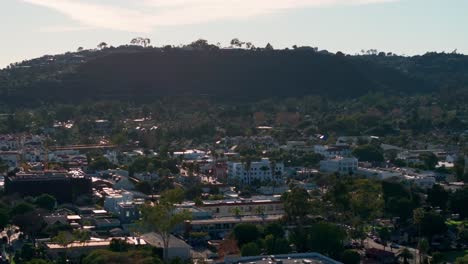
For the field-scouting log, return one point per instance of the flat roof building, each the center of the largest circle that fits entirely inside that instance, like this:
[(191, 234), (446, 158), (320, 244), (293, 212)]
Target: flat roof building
[(65, 186)]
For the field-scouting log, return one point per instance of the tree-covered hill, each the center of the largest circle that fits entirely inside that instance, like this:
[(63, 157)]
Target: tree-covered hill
[(142, 74)]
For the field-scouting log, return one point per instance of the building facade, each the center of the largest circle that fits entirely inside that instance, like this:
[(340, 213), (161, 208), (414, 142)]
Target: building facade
[(262, 171), (340, 165)]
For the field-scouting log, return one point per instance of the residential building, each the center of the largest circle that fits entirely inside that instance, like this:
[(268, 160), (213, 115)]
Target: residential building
[(378, 173), (246, 173), (65, 186), (333, 151), (177, 247), (114, 197), (191, 154), (265, 205), (78, 248), (340, 165), (219, 227), (306, 258)]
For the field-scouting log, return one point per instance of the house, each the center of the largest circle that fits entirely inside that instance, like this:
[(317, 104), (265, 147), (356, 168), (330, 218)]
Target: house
[(305, 258), (333, 151), (340, 165), (146, 176), (379, 174), (128, 212), (114, 197), (257, 170), (177, 247), (192, 154)]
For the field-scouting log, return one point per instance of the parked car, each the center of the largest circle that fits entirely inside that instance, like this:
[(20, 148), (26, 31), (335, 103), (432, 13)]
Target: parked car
[(394, 246)]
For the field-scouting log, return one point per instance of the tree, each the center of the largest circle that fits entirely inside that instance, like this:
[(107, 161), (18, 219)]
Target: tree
[(384, 235), (250, 249), (163, 217), (418, 216), (432, 224), (296, 204), (437, 258), (400, 207), (100, 163), (236, 211), (80, 49), (276, 245), (438, 197), (3, 166), (458, 202), (144, 187), (459, 167), (462, 260), (269, 47), (423, 247), (118, 245), (370, 153), (64, 239), (274, 229), (4, 218), (141, 41), (366, 199), (46, 201), (21, 208), (406, 255), (27, 252), (350, 257), (102, 45), (326, 238), (430, 159), (237, 43), (245, 233)]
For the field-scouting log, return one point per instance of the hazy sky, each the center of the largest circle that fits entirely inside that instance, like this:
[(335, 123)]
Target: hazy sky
[(31, 28)]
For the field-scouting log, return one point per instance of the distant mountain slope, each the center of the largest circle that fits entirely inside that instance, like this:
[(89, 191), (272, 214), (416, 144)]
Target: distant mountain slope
[(226, 74)]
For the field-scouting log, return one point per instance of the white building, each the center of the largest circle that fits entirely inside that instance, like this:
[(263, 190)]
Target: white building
[(191, 154), (379, 174), (114, 198), (339, 164), (332, 151), (259, 170)]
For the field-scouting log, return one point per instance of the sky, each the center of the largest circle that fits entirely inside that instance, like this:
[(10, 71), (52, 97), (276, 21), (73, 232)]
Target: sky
[(32, 28)]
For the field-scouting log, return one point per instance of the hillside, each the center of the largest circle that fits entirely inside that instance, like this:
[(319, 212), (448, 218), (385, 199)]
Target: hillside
[(127, 73)]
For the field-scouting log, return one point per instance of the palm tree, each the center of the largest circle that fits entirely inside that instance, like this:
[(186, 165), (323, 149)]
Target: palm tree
[(260, 210), (236, 211), (405, 254), (418, 215), (423, 247)]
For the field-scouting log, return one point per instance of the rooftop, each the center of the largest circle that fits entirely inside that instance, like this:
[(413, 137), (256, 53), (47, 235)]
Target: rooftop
[(298, 258)]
